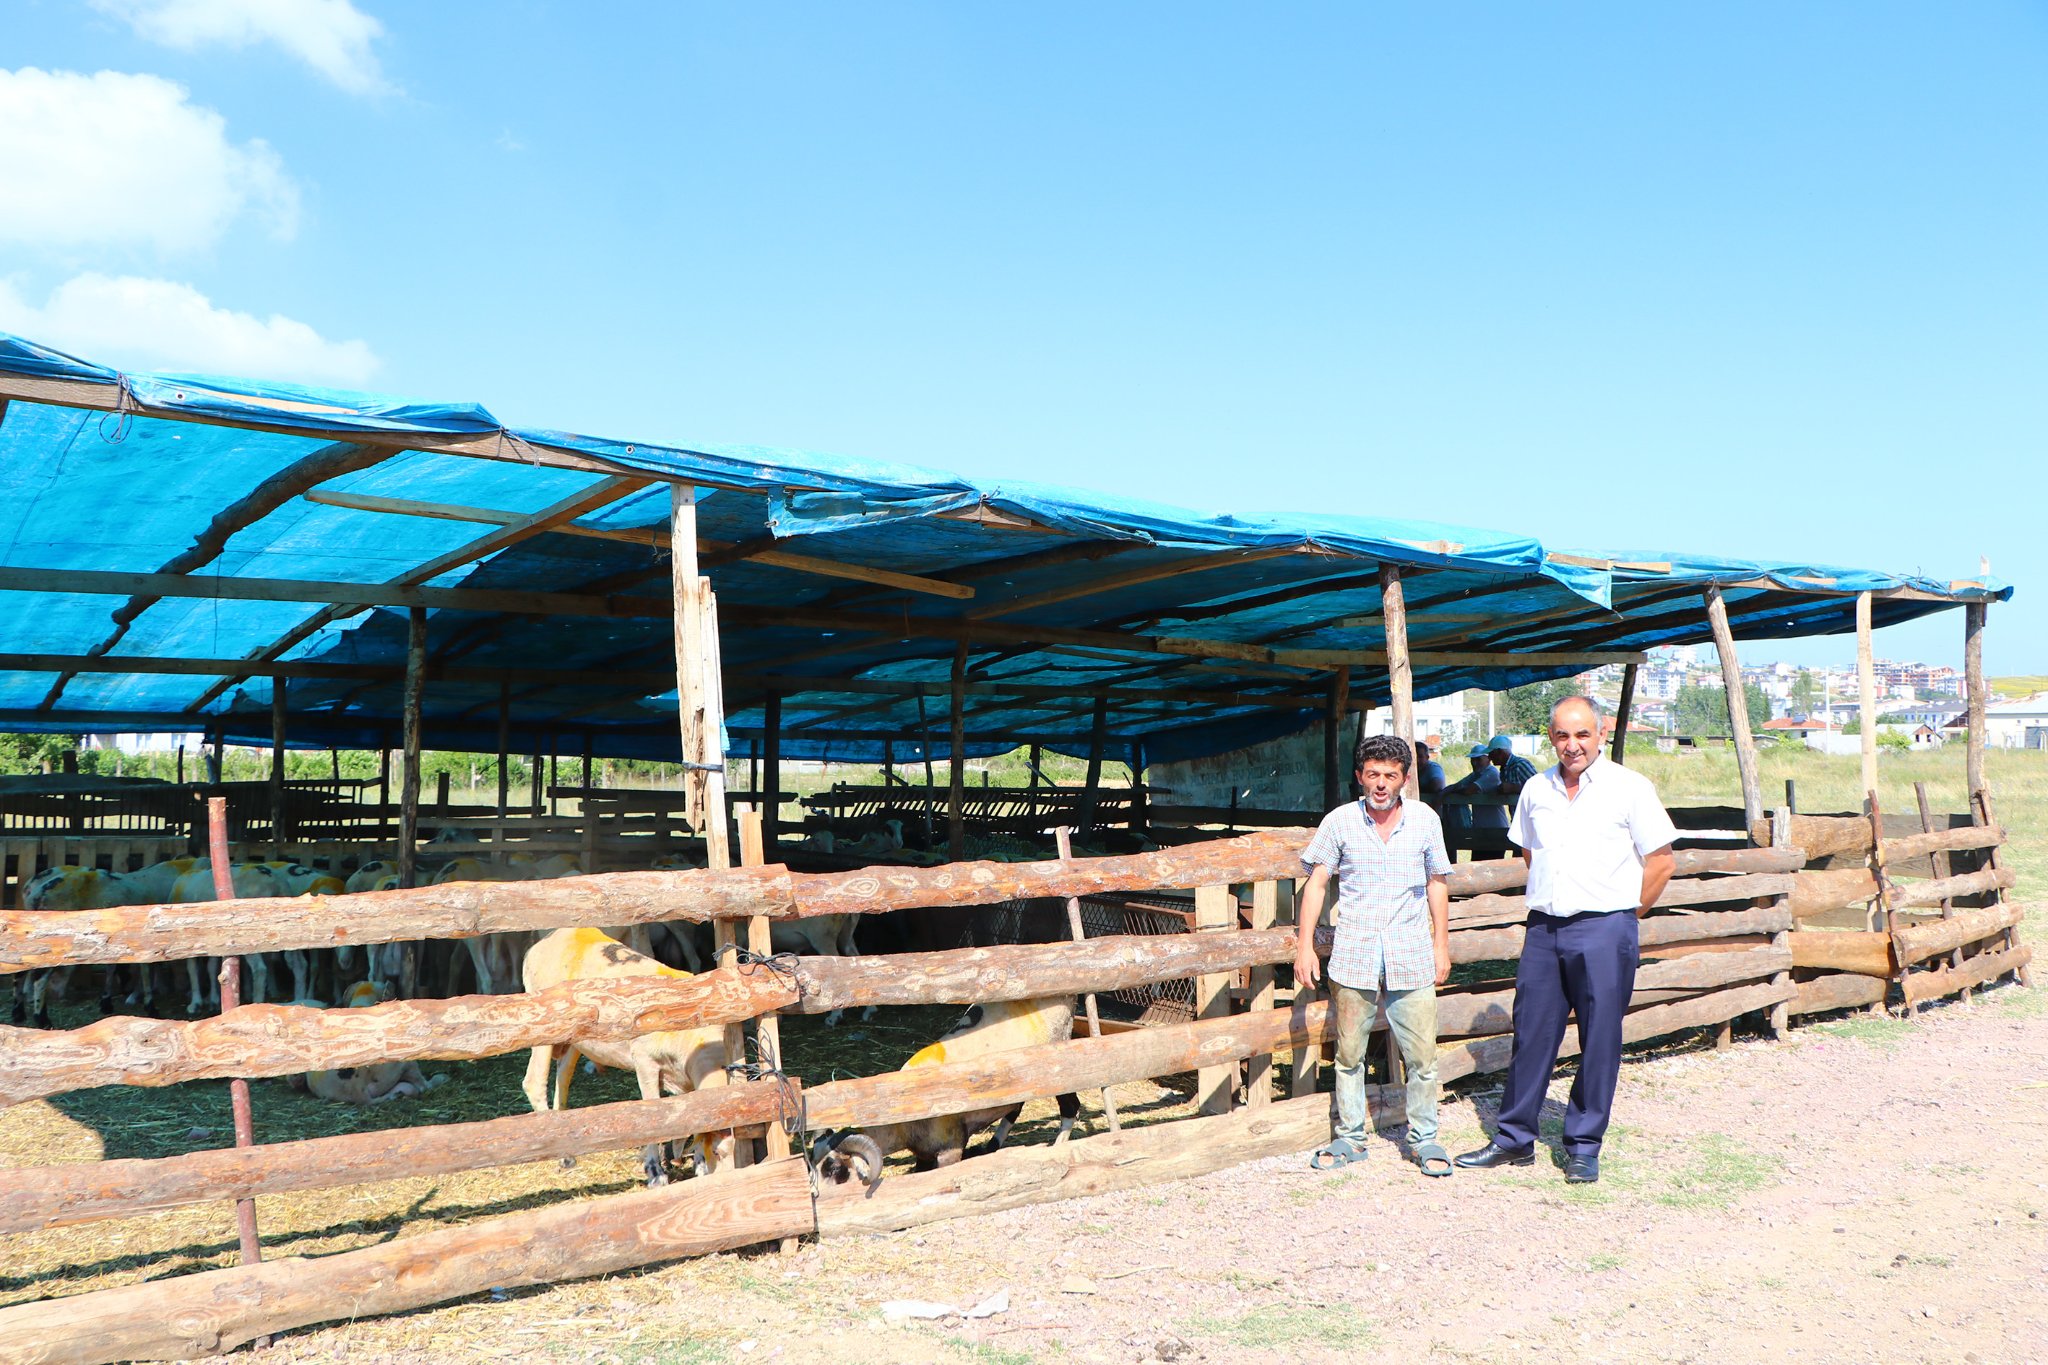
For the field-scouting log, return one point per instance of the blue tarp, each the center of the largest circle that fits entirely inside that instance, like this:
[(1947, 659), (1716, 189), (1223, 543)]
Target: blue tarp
[(125, 473)]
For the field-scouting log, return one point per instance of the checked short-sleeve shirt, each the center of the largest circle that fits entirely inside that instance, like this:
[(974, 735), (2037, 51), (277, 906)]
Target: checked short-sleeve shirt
[(1518, 770), (1383, 934)]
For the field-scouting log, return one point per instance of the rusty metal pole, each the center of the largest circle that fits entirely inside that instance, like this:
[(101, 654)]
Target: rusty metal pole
[(230, 997)]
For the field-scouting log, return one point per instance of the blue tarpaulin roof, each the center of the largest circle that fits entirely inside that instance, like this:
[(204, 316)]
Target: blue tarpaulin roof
[(1202, 632)]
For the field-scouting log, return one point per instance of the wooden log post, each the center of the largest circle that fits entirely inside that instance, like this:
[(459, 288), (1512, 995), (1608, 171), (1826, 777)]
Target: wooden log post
[(1738, 709), (218, 1310), (2003, 878), (1622, 709), (1939, 861), (278, 709), (1305, 1063), (384, 792), (1215, 1086), (956, 820), (1400, 673), (412, 699), (1078, 933), (1975, 696), (1781, 1013), (689, 645), (504, 747), (1881, 904), (711, 761), (1333, 742), (1091, 786), (771, 772), (1866, 692), (231, 998), (1266, 914)]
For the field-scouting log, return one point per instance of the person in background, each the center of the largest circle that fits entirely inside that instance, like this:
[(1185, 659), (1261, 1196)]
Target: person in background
[(1483, 780), (1515, 771), (1429, 774)]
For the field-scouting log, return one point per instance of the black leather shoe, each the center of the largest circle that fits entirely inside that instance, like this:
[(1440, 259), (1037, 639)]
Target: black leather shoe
[(1581, 1170), (1490, 1156)]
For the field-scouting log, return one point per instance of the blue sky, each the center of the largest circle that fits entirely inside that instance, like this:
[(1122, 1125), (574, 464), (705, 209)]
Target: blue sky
[(1740, 279)]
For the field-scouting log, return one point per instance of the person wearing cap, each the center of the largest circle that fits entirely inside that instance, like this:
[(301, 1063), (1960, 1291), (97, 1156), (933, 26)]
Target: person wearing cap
[(1597, 842), (1515, 771), (1484, 780)]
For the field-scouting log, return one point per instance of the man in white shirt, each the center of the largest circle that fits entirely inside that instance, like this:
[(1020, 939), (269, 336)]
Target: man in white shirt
[(1598, 846)]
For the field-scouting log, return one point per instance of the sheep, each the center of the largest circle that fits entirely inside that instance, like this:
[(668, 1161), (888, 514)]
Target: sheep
[(58, 889), (818, 936), (297, 879), (248, 880), (492, 955), (942, 1141), (378, 1083), (674, 1062)]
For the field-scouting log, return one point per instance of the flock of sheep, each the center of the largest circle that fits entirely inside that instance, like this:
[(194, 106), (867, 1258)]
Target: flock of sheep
[(668, 1063)]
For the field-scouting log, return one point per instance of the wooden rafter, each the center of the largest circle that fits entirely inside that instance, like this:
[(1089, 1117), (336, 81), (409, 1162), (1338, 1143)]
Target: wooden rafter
[(1132, 577), (331, 592), (547, 518), (711, 552)]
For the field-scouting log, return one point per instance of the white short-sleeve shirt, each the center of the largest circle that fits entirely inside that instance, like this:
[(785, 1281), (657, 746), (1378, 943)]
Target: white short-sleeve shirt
[(1586, 854)]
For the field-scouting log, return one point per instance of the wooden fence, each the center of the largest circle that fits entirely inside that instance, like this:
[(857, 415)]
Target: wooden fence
[(1726, 940)]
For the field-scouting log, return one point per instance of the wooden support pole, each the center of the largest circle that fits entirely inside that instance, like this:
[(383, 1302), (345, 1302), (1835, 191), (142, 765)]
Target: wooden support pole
[(409, 772), (1091, 786), (277, 790), (536, 785), (1882, 905), (718, 822), (1033, 780), (1738, 710), (771, 770), (1216, 1086), (689, 640), (1258, 1076), (1975, 696), (1781, 1013), (231, 998), (1400, 674), (956, 824), (1866, 692), (1939, 861), (1622, 709), (504, 748), (1078, 932), (1141, 800), (2003, 877), (1336, 763), (218, 1310)]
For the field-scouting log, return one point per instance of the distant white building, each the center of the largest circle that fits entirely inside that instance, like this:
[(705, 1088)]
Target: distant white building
[(1442, 716), (2012, 724)]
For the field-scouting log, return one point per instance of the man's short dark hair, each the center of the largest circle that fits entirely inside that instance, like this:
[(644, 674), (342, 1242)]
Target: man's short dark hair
[(1383, 749)]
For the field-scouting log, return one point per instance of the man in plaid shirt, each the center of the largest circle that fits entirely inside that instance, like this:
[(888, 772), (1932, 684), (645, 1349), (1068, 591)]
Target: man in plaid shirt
[(1392, 945)]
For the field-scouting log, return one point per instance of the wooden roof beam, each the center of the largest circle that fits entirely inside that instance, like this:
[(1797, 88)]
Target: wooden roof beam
[(710, 552), (1194, 563)]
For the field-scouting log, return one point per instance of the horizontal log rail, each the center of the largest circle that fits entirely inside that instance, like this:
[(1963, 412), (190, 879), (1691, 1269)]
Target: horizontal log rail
[(961, 976), (1844, 950), (1942, 841), (1974, 971), (1490, 945), (169, 933), (1820, 891), (1922, 941), (33, 1197), (1907, 895), (1838, 991), (1462, 1014), (1642, 1023), (1499, 909), (218, 1310), (280, 1040)]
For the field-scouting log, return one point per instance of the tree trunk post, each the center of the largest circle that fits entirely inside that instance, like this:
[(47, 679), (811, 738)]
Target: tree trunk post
[(1738, 712), (278, 707), (1091, 787), (956, 819), (1866, 691), (230, 999), (1974, 695), (1622, 708), (1400, 677), (409, 772), (771, 770)]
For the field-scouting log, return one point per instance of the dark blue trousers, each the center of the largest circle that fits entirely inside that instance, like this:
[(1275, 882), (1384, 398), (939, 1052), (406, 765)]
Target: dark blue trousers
[(1583, 964)]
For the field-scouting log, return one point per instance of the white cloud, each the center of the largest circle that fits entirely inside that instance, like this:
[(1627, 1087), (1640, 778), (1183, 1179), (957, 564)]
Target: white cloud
[(331, 36), (138, 323), (114, 159)]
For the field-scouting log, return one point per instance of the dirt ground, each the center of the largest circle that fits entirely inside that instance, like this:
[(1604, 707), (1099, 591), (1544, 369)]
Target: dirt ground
[(1874, 1190)]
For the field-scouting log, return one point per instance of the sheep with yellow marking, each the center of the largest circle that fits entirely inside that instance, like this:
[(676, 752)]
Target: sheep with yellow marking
[(669, 1063)]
